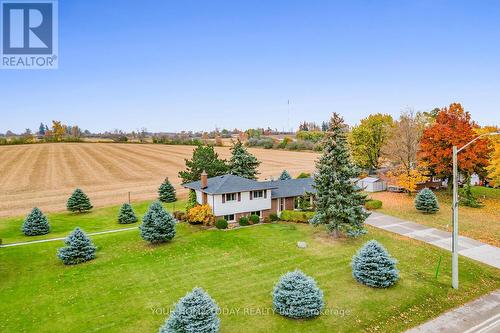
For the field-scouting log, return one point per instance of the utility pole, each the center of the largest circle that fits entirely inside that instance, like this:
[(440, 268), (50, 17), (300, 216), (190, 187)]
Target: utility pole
[(454, 247)]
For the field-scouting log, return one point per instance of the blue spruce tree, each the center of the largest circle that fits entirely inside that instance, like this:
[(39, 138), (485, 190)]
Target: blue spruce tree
[(35, 223), (194, 313), (78, 202), (340, 204), (79, 248), (296, 295), (374, 267), (285, 175), (158, 226), (126, 214), (166, 192), (426, 201)]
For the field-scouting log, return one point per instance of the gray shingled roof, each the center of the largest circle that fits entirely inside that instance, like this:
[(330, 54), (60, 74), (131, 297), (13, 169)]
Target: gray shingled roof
[(229, 184), (292, 187)]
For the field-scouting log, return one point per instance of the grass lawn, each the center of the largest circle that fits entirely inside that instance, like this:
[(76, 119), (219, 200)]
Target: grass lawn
[(63, 223), (131, 285), (482, 223)]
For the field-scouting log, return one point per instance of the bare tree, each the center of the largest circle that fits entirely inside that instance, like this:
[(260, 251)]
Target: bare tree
[(403, 143)]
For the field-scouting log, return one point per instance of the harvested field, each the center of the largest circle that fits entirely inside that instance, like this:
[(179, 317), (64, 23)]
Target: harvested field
[(44, 175)]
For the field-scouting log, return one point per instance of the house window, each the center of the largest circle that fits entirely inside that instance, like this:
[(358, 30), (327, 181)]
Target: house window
[(255, 213), (229, 217), (258, 194), (230, 196)]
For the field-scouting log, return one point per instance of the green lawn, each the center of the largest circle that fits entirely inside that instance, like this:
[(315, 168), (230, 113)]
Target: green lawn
[(482, 223), (131, 285), (99, 219)]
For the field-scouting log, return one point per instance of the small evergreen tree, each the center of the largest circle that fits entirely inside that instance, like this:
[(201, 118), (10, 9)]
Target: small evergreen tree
[(285, 175), (79, 248), (158, 226), (374, 267), (191, 202), (78, 202), (126, 214), (242, 163), (166, 192), (340, 204), (35, 223), (426, 201), (296, 295), (194, 313), (467, 198)]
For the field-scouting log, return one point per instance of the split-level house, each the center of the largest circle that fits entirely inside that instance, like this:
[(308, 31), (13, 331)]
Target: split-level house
[(232, 197)]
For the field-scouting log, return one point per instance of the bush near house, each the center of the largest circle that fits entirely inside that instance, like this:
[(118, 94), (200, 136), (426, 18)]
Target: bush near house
[(373, 204), (254, 219), (201, 214), (221, 224), (296, 216), (273, 217), (180, 215), (243, 221), (297, 296)]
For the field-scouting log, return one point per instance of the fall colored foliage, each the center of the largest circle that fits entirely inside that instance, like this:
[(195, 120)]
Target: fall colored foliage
[(408, 179), (453, 127), (201, 214), (494, 167)]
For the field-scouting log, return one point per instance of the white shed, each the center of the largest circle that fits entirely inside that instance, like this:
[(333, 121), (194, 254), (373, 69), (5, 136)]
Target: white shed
[(372, 184)]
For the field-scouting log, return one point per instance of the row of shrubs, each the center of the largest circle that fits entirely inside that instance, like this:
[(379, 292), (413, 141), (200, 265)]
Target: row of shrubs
[(286, 143), (295, 295)]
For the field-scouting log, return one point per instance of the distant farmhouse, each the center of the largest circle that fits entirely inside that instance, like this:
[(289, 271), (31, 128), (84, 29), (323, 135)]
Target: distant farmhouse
[(232, 197)]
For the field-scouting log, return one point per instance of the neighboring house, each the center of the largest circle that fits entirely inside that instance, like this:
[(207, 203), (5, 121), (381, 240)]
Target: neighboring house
[(372, 184), (232, 197)]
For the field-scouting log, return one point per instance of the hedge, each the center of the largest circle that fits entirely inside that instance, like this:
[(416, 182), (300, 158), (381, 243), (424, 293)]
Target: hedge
[(296, 216), (373, 204)]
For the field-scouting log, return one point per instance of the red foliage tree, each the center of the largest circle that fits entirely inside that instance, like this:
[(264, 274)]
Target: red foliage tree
[(453, 127)]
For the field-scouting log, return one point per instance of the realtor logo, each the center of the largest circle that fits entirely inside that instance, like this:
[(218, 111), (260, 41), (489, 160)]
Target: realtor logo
[(29, 34)]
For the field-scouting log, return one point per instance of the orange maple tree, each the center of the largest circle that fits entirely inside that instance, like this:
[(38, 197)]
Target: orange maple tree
[(453, 127)]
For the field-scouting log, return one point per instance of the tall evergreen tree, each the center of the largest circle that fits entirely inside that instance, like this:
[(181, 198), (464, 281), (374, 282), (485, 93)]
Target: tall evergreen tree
[(204, 158), (339, 203), (166, 192), (285, 175), (35, 223), (79, 248), (158, 226), (194, 313), (242, 163), (78, 202), (126, 214), (426, 201), (191, 202), (374, 267), (41, 129), (296, 295)]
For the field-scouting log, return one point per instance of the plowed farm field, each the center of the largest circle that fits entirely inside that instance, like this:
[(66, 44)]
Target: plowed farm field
[(44, 175)]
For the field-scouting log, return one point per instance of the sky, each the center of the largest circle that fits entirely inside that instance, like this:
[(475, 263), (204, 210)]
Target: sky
[(196, 65)]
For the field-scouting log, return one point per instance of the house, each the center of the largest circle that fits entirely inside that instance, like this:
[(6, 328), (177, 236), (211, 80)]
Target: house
[(232, 197), (372, 184)]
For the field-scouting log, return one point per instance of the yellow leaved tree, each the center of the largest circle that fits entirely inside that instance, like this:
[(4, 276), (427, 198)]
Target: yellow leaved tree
[(201, 214)]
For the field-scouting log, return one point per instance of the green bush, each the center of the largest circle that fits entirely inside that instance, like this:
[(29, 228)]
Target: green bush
[(373, 204), (243, 221), (273, 217), (221, 224), (304, 175), (254, 219), (296, 216)]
